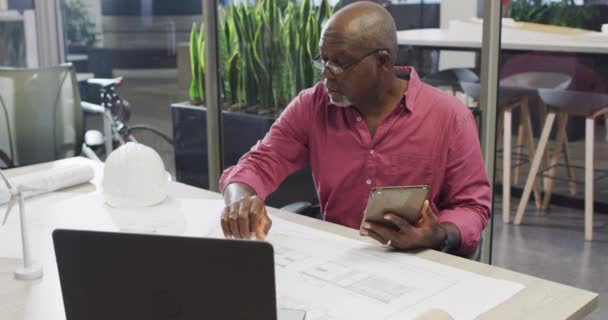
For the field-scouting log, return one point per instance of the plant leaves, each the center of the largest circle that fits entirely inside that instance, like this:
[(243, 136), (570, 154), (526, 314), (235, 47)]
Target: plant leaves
[(266, 51), (194, 92)]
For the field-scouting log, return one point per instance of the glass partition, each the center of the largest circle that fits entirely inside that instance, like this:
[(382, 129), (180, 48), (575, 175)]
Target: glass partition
[(551, 165), (147, 44)]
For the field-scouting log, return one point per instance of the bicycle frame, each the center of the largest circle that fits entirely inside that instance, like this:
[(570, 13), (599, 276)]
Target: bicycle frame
[(114, 124)]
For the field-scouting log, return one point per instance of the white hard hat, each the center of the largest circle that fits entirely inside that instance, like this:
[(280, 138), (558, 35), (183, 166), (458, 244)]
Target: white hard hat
[(134, 176)]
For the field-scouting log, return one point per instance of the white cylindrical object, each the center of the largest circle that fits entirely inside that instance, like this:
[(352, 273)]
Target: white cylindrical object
[(27, 259), (50, 180), (30, 270)]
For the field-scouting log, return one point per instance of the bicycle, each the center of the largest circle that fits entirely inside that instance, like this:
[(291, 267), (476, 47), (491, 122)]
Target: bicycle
[(116, 113)]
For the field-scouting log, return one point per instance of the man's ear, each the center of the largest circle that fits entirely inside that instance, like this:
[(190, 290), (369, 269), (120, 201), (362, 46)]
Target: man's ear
[(384, 57)]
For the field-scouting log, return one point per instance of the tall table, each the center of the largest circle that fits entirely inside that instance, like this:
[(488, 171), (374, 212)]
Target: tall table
[(541, 299), (467, 35)]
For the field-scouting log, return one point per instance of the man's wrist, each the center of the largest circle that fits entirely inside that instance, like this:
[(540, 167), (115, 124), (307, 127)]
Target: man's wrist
[(439, 237), (445, 240), (237, 191), (451, 238)]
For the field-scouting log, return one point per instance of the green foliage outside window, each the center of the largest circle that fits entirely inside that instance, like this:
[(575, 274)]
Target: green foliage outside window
[(561, 13), (80, 29)]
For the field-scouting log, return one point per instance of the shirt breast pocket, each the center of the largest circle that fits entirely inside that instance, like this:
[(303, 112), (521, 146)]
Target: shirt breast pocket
[(407, 170)]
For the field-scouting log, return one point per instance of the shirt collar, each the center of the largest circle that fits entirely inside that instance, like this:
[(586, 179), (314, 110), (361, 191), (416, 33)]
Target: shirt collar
[(413, 88)]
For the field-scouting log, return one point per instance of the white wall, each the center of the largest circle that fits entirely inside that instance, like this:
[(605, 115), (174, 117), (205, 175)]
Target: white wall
[(457, 10), (3, 5)]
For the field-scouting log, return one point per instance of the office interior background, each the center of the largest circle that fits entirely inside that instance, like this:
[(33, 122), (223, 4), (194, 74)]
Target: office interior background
[(148, 43)]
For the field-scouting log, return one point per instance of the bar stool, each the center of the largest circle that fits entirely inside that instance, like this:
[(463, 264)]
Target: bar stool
[(515, 91), (563, 104), (531, 81)]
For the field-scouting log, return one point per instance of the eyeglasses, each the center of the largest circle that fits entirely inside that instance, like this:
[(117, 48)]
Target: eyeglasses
[(337, 70)]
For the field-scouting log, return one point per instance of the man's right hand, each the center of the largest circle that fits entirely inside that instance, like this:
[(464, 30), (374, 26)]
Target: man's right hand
[(246, 217)]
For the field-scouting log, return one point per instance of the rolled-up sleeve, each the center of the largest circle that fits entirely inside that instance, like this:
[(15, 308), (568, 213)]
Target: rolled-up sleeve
[(283, 150), (466, 193)]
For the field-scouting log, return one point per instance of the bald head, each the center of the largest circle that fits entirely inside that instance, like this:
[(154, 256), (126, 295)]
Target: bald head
[(364, 25)]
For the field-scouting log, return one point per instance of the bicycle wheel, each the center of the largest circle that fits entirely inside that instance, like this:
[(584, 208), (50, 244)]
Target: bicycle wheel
[(157, 140)]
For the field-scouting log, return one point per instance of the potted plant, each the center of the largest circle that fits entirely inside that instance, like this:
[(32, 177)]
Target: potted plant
[(266, 53)]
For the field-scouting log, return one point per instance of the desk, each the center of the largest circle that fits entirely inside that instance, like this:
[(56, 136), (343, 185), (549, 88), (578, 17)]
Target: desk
[(467, 35), (540, 299)]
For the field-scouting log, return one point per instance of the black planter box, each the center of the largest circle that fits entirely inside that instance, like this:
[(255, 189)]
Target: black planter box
[(241, 132)]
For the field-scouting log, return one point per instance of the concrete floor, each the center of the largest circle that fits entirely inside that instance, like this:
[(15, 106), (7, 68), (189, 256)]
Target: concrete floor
[(549, 244)]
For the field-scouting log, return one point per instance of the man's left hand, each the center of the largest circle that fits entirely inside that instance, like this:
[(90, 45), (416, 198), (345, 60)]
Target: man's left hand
[(426, 234)]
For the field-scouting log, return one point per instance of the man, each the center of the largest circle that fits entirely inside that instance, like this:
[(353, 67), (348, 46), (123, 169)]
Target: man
[(363, 127)]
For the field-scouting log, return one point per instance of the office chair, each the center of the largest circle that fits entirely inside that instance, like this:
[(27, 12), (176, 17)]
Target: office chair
[(304, 208), (41, 118), (451, 78)]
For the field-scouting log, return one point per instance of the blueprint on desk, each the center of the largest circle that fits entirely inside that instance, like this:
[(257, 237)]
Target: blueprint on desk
[(329, 276), (332, 277)]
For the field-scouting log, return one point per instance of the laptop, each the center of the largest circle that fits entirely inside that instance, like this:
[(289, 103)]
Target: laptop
[(107, 275)]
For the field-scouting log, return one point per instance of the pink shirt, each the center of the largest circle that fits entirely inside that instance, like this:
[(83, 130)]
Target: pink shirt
[(429, 138)]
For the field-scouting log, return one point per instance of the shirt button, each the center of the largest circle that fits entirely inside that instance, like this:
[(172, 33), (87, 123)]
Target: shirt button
[(371, 151), (358, 119), (368, 181)]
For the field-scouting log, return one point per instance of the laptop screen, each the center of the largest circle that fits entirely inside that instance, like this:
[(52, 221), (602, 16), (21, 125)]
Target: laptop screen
[(134, 276)]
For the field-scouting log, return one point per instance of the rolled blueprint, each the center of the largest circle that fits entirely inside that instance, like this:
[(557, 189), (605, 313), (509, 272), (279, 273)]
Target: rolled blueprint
[(49, 180)]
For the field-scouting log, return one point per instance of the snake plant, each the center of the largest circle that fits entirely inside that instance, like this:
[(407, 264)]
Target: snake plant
[(265, 53)]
